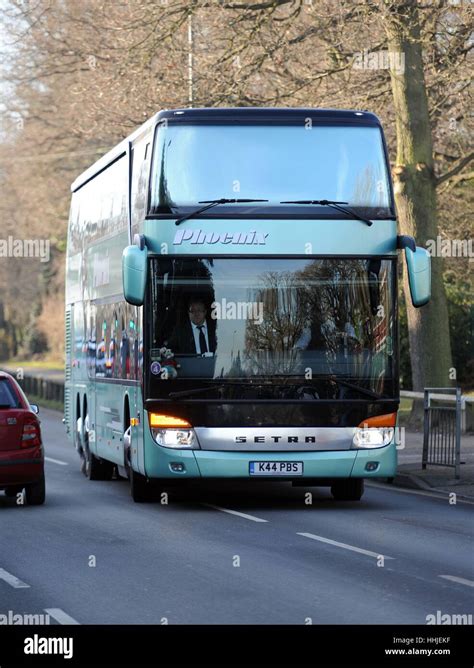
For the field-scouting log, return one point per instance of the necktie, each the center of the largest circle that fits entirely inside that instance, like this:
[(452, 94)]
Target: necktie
[(202, 339)]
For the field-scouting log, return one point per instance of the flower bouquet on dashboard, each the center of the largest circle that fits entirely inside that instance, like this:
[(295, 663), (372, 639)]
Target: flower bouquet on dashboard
[(164, 364)]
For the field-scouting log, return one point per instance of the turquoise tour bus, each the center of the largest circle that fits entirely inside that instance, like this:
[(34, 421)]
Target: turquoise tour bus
[(231, 301)]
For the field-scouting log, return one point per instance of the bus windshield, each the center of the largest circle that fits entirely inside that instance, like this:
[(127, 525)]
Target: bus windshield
[(197, 162), (318, 328)]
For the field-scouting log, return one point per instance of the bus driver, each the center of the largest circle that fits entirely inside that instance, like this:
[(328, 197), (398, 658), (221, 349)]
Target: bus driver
[(195, 336)]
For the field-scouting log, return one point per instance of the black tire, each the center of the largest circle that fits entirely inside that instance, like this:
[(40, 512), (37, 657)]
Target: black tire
[(36, 492), (350, 489), (108, 469), (78, 444), (93, 467), (97, 469), (83, 465), (140, 488)]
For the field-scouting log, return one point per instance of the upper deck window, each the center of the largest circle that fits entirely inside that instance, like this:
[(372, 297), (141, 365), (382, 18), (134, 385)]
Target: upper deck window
[(205, 161)]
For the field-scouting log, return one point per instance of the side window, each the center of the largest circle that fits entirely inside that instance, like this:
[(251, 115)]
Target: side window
[(134, 342), (91, 339), (111, 364), (78, 344), (114, 344), (74, 241), (124, 347), (103, 202), (101, 337), (140, 344), (141, 168)]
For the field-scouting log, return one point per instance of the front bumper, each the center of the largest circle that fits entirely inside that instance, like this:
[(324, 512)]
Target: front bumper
[(226, 464)]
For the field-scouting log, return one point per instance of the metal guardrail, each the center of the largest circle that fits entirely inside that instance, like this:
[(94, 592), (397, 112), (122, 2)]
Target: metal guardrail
[(467, 406), (442, 429), (40, 388)]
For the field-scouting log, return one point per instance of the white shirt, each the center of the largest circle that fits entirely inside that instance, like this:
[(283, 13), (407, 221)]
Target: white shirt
[(196, 332)]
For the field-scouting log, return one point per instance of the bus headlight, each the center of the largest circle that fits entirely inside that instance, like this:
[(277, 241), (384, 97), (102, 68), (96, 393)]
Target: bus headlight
[(172, 432), (375, 431), (372, 437), (174, 438)]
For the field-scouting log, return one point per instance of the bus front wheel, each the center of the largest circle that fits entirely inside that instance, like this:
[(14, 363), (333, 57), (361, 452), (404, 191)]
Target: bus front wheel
[(351, 489)]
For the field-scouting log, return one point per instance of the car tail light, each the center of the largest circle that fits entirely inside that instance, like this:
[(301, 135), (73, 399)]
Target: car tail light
[(31, 436)]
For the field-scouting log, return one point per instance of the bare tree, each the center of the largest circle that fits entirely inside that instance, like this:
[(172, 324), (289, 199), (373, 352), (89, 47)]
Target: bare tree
[(80, 76)]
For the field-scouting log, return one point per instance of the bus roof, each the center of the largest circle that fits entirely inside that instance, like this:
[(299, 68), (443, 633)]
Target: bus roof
[(112, 155), (230, 114), (279, 114)]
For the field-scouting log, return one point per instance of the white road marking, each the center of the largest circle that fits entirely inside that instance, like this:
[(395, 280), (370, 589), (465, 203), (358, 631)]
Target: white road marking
[(344, 545), (12, 580), (60, 616), (56, 461), (441, 495), (454, 578), (235, 512)]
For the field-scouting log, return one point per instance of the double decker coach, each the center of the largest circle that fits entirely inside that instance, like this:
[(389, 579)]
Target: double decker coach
[(231, 301)]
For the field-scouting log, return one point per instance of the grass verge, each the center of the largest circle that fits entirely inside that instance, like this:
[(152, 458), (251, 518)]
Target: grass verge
[(46, 403)]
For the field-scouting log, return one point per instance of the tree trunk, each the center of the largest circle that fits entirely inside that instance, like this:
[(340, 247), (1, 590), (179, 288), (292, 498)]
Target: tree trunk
[(415, 196)]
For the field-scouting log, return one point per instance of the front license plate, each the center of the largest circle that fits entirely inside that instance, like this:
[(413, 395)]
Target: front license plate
[(276, 468)]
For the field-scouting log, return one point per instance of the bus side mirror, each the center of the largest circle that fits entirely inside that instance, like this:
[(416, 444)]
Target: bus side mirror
[(134, 274), (419, 275)]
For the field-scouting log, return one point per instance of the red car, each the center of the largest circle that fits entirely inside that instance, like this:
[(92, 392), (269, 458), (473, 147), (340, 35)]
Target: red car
[(21, 448)]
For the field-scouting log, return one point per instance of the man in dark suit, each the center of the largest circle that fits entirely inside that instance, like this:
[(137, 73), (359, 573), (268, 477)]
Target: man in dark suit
[(195, 336)]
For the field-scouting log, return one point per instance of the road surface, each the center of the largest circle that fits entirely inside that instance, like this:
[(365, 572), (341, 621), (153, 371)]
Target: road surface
[(230, 553)]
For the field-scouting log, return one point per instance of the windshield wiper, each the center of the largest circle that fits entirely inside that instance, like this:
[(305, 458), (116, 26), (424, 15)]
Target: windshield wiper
[(352, 386), (335, 205), (358, 388), (189, 393), (214, 202), (198, 390)]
